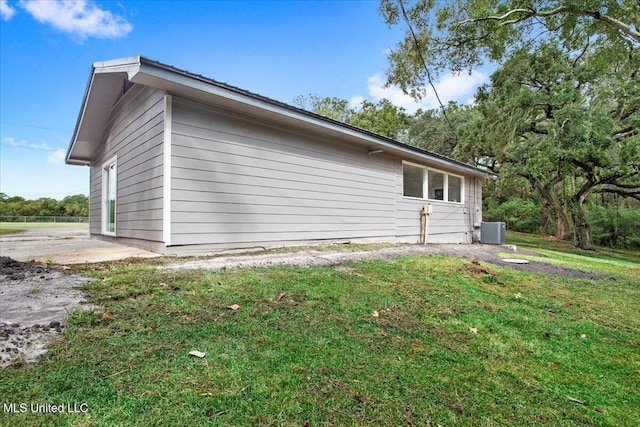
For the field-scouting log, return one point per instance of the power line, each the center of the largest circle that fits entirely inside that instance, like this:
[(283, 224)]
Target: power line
[(35, 127), (424, 65)]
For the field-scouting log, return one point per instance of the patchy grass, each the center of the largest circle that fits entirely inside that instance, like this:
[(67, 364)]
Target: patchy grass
[(5, 231), (620, 264), (536, 242), (423, 340), (19, 227)]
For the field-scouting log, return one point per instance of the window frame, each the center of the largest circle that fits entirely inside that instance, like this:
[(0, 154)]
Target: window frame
[(461, 188), (441, 190), (108, 168), (425, 184), (424, 178)]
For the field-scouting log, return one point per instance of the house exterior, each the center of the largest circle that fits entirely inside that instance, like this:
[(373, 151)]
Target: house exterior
[(181, 163)]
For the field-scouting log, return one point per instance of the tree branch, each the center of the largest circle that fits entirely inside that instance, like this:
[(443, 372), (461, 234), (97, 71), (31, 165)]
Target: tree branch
[(531, 13), (533, 128), (625, 111), (614, 23), (624, 133), (626, 193)]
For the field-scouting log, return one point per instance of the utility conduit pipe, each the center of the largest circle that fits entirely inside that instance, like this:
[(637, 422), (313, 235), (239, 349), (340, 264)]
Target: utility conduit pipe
[(425, 211)]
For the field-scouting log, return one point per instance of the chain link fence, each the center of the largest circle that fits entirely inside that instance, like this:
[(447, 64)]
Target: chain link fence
[(26, 222)]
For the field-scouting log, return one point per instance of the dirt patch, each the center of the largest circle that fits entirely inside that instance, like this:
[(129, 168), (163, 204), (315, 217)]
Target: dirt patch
[(336, 256), (477, 269), (34, 302)]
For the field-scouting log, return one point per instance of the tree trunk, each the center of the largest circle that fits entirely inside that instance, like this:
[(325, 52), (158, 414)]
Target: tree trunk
[(562, 226), (552, 211), (581, 231), (551, 207), (546, 216)]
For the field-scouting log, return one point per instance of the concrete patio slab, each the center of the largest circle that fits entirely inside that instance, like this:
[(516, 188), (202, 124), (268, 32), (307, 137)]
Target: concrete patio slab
[(65, 244)]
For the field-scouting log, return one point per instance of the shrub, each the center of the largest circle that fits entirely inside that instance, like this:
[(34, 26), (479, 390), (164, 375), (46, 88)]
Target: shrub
[(615, 227), (519, 215)]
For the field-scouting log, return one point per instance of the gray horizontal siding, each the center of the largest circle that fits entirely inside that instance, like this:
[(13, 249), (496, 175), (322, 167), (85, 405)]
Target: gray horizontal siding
[(278, 157), (238, 182), (134, 134), (243, 239), (95, 201)]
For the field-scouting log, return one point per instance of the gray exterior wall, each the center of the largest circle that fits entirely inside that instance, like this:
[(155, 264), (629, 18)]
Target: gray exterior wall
[(134, 134), (239, 182)]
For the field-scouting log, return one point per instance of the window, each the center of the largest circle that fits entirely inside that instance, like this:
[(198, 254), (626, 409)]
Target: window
[(109, 197), (455, 188), (436, 185), (413, 181), (430, 184)]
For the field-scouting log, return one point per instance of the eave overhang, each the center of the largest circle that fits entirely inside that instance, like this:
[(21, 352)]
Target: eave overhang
[(108, 79)]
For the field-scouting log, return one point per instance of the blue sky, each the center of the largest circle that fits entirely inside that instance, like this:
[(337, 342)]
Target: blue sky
[(279, 49)]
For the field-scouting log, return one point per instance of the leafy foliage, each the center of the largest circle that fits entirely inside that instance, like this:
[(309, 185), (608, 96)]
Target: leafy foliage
[(431, 131), (382, 118), (615, 227), (518, 214), (461, 35), (563, 108), (331, 107), (74, 206), (563, 131)]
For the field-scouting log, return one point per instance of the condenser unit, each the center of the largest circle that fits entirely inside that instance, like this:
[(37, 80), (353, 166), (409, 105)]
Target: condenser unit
[(493, 233)]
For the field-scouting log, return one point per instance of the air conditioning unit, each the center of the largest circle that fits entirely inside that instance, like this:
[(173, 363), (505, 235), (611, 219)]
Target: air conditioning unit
[(493, 233)]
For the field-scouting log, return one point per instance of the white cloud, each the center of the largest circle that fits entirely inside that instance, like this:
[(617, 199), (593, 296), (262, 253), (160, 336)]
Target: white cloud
[(43, 146), (12, 142), (6, 11), (458, 88), (356, 101), (81, 18), (57, 157)]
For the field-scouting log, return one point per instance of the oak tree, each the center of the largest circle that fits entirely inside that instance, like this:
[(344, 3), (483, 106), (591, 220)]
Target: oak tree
[(563, 107)]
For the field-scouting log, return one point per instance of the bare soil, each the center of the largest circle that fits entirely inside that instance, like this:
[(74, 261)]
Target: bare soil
[(34, 302), (35, 299)]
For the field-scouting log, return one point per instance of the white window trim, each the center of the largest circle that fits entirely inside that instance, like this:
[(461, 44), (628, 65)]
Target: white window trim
[(425, 184), (104, 197), (166, 170)]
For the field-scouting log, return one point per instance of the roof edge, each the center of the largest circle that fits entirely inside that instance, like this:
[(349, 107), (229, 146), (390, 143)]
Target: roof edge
[(147, 65), (140, 69), (129, 65)]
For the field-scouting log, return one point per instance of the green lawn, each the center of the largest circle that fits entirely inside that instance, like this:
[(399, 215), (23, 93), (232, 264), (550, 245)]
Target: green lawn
[(5, 231), (424, 340), (31, 225)]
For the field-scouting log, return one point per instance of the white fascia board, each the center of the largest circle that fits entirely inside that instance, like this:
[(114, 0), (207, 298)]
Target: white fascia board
[(83, 108), (129, 65)]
